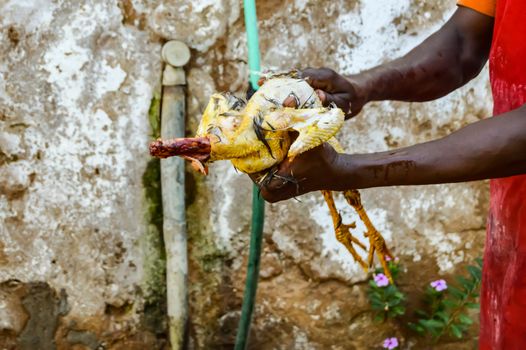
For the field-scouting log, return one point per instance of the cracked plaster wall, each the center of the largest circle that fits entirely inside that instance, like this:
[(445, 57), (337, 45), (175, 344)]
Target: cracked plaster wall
[(76, 81)]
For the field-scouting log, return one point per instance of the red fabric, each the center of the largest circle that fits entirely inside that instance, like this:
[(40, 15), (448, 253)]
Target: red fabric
[(503, 298)]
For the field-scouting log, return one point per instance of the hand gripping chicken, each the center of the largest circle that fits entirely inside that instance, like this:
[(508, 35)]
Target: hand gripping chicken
[(259, 135)]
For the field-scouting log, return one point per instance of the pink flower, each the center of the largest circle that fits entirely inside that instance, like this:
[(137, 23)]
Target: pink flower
[(387, 258), (381, 280), (390, 343), (439, 285)]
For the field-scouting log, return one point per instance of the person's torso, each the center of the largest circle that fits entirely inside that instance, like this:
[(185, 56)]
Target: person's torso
[(508, 56), (508, 83), (504, 283)]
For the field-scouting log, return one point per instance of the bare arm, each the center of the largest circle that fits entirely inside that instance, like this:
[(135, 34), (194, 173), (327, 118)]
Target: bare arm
[(490, 148), (445, 61)]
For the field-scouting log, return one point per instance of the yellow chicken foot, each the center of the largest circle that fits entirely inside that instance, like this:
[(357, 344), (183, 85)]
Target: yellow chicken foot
[(376, 241), (343, 233)]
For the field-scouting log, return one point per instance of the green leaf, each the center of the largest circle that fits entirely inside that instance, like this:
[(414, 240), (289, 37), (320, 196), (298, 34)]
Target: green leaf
[(375, 296), (378, 318), (399, 295), (373, 285), (455, 331), (465, 319), (457, 293), (432, 293), (442, 316), (475, 306), (375, 302), (416, 327), (379, 306), (450, 304), (398, 310), (397, 302), (375, 293), (475, 272), (421, 313), (420, 329), (394, 268), (389, 291), (467, 284), (432, 323), (479, 262)]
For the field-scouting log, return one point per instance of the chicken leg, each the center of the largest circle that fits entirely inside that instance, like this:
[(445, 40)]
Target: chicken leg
[(376, 241), (343, 233)]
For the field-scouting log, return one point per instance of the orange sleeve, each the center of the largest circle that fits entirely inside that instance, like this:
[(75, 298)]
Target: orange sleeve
[(486, 7)]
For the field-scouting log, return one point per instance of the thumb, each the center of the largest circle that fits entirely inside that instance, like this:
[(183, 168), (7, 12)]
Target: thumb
[(325, 97)]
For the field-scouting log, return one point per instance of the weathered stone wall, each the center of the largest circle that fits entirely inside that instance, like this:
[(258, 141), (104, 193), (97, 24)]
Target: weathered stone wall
[(79, 254), (81, 260)]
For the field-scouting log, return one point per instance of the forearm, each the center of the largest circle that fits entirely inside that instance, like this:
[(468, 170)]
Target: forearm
[(445, 61), (491, 148)]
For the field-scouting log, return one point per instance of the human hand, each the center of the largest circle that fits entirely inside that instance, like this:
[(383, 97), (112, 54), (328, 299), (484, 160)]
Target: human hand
[(316, 169), (332, 87)]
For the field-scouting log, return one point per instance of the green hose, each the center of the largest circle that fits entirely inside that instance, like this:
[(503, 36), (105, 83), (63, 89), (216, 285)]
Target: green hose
[(251, 25), (258, 205)]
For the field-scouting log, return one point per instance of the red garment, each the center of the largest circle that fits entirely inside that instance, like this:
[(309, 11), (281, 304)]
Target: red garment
[(503, 298)]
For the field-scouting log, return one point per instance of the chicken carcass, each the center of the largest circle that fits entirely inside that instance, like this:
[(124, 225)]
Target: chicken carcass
[(258, 135)]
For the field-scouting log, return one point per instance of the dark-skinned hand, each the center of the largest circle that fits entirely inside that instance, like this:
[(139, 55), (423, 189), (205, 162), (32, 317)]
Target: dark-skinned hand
[(313, 170), (332, 87)]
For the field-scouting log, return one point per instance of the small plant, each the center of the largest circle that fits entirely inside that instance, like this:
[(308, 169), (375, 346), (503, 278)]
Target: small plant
[(446, 311), (385, 298)]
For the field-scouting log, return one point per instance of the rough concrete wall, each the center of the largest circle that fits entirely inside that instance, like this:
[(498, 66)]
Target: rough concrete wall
[(75, 88), (79, 205)]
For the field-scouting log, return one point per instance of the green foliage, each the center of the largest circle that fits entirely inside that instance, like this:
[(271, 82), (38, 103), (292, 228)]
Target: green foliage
[(387, 302), (153, 285), (154, 115), (446, 311)]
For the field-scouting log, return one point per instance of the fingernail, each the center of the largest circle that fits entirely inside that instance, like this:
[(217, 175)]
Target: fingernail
[(321, 95), (290, 101)]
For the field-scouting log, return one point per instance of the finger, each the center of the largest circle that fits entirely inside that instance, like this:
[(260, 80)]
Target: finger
[(291, 101), (280, 193), (353, 111), (280, 180), (327, 99), (255, 177), (322, 96), (275, 191), (273, 197), (340, 100), (318, 78)]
